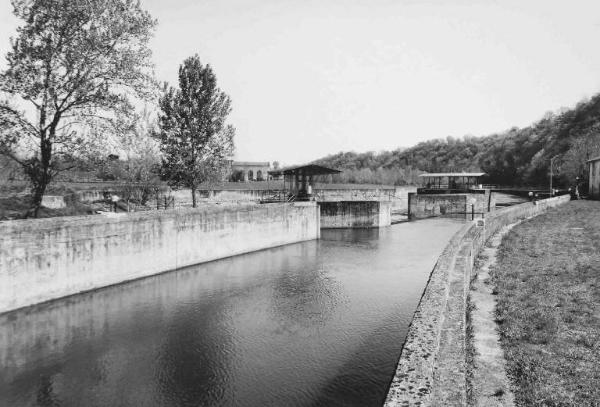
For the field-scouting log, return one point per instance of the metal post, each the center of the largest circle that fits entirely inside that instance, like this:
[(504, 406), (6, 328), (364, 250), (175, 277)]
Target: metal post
[(472, 211)]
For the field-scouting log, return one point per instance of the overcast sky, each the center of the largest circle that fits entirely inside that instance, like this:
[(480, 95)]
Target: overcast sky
[(309, 78)]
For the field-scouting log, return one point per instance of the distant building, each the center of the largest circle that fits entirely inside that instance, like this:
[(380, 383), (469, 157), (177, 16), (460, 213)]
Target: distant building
[(249, 171), (594, 178)]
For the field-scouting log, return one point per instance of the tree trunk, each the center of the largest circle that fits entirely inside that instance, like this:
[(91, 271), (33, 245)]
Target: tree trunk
[(39, 172), (36, 202), (193, 197)]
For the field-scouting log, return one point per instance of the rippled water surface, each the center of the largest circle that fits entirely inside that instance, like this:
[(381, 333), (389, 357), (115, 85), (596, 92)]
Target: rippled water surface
[(319, 323)]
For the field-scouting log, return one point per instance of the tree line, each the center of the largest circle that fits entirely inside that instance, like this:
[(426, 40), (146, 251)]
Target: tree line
[(516, 157), (77, 72)]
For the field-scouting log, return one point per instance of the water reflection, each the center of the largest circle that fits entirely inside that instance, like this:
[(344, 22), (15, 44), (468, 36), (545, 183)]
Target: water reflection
[(316, 323)]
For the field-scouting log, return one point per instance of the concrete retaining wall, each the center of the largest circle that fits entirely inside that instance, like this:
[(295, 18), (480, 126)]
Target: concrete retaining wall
[(44, 259), (397, 195), (432, 368), (355, 214)]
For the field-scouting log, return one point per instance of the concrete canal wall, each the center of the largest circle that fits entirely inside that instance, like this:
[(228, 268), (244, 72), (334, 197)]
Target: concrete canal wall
[(432, 370), (355, 214), (397, 195), (44, 259)]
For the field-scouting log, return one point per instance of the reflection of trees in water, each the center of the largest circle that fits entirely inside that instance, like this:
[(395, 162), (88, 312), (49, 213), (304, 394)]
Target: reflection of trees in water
[(303, 293), (194, 361)]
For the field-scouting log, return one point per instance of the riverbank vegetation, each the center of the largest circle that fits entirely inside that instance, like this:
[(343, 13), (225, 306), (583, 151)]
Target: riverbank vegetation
[(547, 279)]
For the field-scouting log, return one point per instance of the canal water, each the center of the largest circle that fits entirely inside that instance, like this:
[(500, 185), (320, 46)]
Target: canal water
[(319, 323)]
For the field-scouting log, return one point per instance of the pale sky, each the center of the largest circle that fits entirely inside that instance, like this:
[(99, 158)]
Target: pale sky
[(314, 77)]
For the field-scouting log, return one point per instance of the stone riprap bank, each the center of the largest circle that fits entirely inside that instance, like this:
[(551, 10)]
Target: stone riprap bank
[(44, 259), (432, 370)]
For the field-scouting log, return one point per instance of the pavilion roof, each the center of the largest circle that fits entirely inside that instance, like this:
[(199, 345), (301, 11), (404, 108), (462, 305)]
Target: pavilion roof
[(310, 169)]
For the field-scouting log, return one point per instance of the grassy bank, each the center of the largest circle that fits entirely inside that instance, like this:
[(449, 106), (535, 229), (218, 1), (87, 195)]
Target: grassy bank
[(548, 285)]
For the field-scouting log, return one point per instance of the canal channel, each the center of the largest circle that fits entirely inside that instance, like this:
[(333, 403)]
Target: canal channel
[(319, 323)]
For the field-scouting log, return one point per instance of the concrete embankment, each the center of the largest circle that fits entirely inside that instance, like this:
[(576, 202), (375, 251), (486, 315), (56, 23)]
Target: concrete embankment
[(432, 370), (44, 259)]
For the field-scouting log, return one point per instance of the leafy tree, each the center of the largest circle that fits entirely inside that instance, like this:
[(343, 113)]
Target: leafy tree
[(72, 64), (194, 139)]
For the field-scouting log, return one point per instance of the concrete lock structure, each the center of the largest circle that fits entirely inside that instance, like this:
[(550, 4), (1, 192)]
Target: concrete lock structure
[(355, 214), (45, 259), (450, 194), (464, 205)]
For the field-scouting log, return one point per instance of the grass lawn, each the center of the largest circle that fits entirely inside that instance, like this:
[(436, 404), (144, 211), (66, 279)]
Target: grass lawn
[(548, 284)]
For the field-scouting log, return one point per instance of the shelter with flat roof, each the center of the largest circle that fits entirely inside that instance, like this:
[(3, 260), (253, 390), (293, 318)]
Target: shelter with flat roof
[(299, 181), (449, 182)]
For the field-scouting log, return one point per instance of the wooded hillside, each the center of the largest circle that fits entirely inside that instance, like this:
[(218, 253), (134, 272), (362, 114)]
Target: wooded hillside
[(514, 157)]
